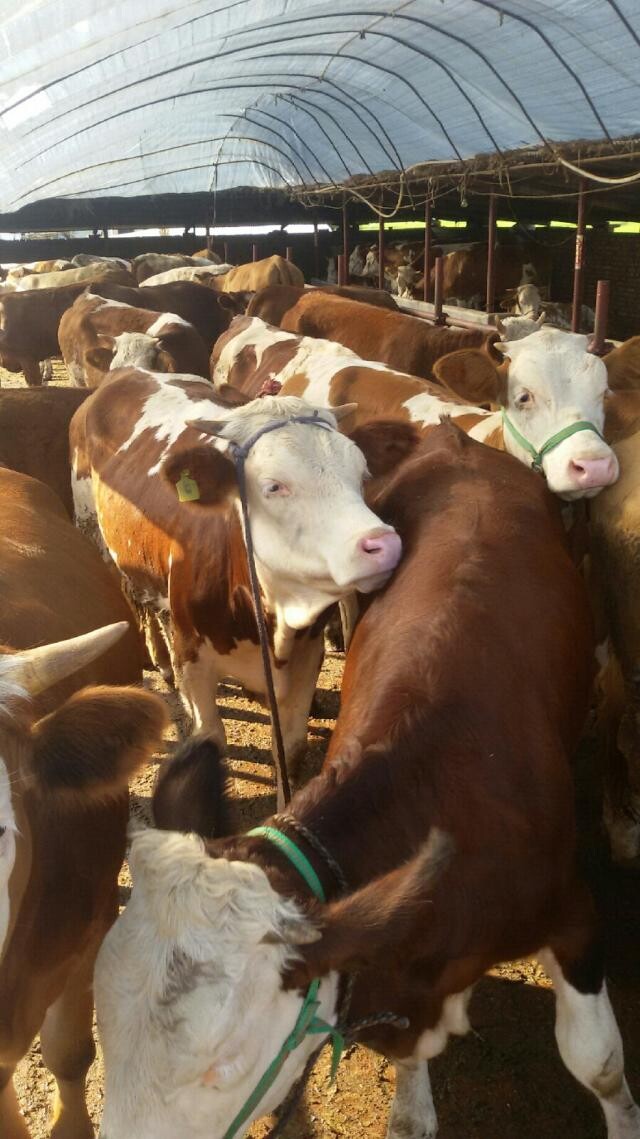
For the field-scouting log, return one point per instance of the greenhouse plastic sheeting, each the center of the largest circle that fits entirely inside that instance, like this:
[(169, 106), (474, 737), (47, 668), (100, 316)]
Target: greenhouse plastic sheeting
[(150, 97)]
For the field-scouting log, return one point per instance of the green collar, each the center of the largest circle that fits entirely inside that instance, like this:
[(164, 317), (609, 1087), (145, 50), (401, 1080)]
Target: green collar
[(308, 1023), (559, 437)]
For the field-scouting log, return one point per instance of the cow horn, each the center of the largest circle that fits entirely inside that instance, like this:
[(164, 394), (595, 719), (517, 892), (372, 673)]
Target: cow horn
[(42, 667), (343, 410), (500, 326), (541, 319)]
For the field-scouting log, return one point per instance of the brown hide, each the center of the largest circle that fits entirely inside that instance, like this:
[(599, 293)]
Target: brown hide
[(272, 303), (623, 365), (257, 275), (34, 435), (405, 343), (29, 321), (465, 270)]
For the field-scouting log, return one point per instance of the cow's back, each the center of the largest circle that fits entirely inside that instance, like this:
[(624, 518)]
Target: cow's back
[(34, 435), (405, 343), (54, 585), (201, 307)]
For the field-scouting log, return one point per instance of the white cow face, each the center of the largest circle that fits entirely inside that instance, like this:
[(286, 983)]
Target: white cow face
[(188, 985), (553, 382), (315, 539)]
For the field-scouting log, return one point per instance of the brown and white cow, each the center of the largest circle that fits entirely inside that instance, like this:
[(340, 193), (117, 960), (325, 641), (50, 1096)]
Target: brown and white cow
[(403, 342), (623, 365), (136, 441), (257, 275), (66, 753), (465, 270), (198, 274), (34, 435), (29, 328), (97, 334), (86, 274), (446, 800), (549, 383), (148, 264), (208, 312)]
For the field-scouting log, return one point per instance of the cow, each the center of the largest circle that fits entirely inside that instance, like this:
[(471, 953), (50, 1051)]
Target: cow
[(623, 365), (517, 327), (528, 302), (82, 259), (614, 576), (34, 435), (438, 840), (144, 441), (199, 274), (29, 327), (208, 312), (66, 753), (207, 255), (549, 384), (403, 342), (272, 303), (86, 274), (465, 270), (97, 334), (148, 264), (19, 271), (257, 275)]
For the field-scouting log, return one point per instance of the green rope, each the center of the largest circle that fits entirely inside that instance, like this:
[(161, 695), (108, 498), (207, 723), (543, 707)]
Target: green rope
[(559, 437)]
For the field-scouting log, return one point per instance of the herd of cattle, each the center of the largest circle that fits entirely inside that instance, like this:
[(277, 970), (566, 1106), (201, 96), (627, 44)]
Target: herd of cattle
[(440, 477)]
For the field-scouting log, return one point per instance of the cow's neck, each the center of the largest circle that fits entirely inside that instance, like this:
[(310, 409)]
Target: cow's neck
[(291, 608)]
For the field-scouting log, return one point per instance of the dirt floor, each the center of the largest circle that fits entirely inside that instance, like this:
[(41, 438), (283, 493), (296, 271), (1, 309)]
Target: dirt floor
[(505, 1079)]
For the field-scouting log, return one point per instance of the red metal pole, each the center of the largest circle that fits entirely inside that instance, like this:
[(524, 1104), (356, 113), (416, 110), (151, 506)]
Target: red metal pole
[(597, 345), (254, 252), (345, 240), (579, 263), (438, 315), (316, 251), (491, 254), (289, 253), (342, 269), (427, 251), (381, 254)]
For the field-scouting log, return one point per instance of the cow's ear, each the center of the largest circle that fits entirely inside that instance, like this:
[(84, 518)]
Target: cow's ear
[(99, 358), (385, 444), (201, 475), (470, 374), (89, 748), (235, 302), (363, 926), (230, 396)]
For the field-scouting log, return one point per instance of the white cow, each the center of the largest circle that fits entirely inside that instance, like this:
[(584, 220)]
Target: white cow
[(196, 273)]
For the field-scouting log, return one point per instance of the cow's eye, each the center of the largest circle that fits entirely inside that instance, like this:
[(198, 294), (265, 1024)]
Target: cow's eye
[(273, 489), (523, 399)]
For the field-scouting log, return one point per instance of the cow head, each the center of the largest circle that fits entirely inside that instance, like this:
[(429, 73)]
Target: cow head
[(315, 539), (548, 382), (84, 752), (198, 984), (133, 350)]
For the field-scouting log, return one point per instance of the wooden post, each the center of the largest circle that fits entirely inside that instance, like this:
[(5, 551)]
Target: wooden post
[(579, 262), (289, 253), (439, 317), (427, 250), (381, 253), (225, 246), (491, 255), (316, 251), (342, 269), (345, 240), (600, 324), (254, 252)]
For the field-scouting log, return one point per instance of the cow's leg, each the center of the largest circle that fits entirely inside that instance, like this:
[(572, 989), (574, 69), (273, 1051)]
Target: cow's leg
[(294, 706), (413, 1115), (68, 1051), (12, 1124), (198, 680), (586, 1031), (46, 371), (31, 372)]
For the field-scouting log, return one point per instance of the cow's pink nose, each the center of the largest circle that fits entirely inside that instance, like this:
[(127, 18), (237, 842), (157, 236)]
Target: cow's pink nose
[(588, 473), (383, 548)]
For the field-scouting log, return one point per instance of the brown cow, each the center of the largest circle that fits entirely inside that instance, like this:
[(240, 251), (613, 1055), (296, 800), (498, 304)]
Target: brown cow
[(148, 264), (29, 328), (65, 759), (405, 343), (272, 303), (97, 334), (34, 435), (447, 804), (623, 365), (208, 312), (465, 270), (257, 275)]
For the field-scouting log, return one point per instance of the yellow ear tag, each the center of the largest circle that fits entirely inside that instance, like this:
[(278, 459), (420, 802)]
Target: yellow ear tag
[(187, 488)]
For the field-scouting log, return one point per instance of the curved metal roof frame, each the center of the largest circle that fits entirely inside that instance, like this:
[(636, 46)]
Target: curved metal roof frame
[(293, 93)]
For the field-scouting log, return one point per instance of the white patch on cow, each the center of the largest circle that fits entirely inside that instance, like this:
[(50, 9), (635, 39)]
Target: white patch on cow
[(84, 506), (166, 413), (481, 431), (427, 409), (413, 1115), (257, 335), (105, 302), (158, 325), (453, 1021), (318, 360), (188, 984)]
